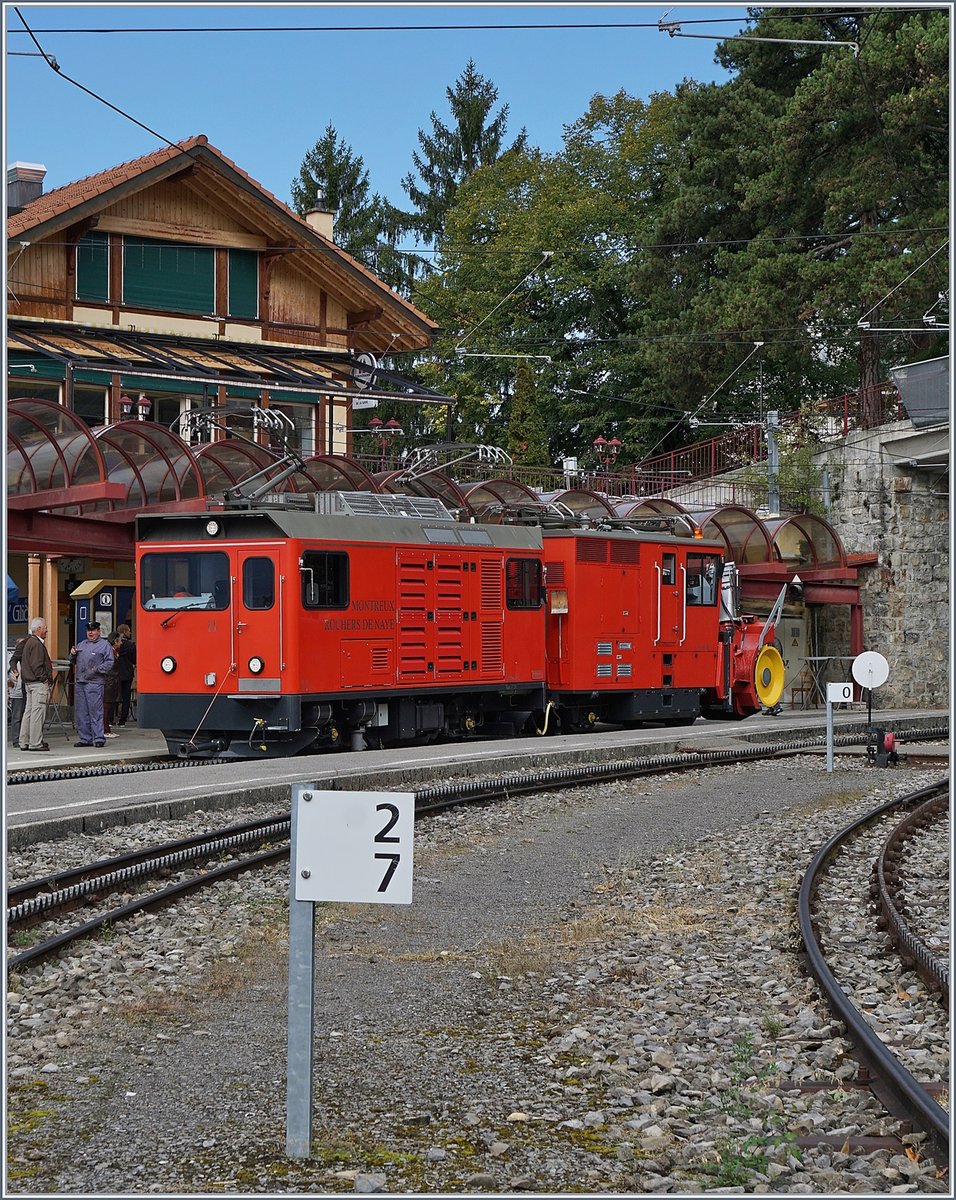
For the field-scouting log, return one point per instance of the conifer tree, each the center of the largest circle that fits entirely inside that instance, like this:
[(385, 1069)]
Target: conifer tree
[(450, 153), (527, 437), (334, 177)]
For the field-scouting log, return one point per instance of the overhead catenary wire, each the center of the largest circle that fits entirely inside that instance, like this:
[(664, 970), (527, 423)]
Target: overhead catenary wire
[(705, 401), (55, 66), (437, 28), (546, 254), (880, 303)]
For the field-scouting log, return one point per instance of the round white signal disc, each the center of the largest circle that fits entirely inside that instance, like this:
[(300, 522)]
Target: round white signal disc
[(870, 669)]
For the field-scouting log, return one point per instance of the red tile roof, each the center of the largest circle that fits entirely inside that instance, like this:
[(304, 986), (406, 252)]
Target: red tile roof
[(63, 199)]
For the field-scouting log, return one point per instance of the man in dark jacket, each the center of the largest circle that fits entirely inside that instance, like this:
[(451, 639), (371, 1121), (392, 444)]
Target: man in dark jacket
[(36, 671), (126, 657)]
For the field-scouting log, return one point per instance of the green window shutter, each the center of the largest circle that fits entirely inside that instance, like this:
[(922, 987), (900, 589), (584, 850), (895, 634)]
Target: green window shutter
[(243, 283), (93, 267), (168, 276)]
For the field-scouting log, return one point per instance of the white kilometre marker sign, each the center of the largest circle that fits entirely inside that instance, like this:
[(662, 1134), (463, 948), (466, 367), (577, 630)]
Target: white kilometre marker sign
[(350, 847)]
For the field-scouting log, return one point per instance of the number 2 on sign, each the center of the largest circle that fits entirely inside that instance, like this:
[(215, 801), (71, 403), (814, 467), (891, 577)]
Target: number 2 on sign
[(382, 836)]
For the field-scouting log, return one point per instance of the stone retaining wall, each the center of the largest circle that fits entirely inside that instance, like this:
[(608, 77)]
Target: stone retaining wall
[(883, 504)]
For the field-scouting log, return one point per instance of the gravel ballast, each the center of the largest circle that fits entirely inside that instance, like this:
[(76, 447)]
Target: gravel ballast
[(595, 991)]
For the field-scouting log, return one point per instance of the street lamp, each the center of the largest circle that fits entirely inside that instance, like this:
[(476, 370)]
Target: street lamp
[(607, 451), (142, 406), (383, 434)]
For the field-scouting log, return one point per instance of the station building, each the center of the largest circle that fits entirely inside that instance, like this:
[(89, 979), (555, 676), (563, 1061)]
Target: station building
[(139, 299)]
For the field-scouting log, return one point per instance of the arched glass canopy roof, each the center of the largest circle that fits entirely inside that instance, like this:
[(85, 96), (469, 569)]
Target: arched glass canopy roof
[(153, 464), (224, 463), (49, 447), (581, 501), (659, 508), (805, 540), (493, 498), (741, 531), (134, 465), (333, 473)]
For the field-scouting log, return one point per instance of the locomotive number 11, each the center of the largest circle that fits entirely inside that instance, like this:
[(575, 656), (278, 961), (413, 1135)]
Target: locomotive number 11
[(353, 847)]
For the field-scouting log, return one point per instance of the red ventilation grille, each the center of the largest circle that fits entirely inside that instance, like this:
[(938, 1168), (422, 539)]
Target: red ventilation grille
[(625, 552), (491, 577), (592, 550), (492, 661), (554, 573)]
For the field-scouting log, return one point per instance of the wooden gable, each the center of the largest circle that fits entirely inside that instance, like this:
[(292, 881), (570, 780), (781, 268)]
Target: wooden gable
[(310, 291)]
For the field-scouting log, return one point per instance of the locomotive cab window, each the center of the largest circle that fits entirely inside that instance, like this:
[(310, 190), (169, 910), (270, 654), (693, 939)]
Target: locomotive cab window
[(523, 583), (668, 570), (703, 579), (325, 579), (184, 579), (258, 583)]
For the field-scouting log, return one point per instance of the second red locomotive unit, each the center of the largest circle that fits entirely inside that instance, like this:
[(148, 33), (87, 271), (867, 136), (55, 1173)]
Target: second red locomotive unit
[(368, 620)]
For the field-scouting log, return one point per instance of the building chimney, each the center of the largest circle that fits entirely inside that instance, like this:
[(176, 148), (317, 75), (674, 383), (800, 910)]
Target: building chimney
[(24, 185), (322, 221), (320, 218)]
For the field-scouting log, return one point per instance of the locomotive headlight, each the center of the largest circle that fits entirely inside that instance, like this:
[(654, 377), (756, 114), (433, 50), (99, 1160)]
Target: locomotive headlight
[(256, 665), (168, 664), (213, 528)]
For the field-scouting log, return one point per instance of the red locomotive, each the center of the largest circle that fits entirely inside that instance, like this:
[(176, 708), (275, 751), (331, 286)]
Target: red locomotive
[(367, 619)]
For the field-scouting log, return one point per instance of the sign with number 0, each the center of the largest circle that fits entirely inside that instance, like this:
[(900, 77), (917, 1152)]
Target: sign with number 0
[(354, 847)]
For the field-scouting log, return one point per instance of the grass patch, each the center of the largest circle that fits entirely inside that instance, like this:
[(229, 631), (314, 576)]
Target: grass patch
[(154, 1006), (514, 957)]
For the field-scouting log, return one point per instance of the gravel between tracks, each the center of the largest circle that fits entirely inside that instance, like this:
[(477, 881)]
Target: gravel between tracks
[(595, 991)]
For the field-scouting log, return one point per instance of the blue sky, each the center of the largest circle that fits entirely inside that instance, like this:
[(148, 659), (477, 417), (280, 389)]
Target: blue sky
[(264, 98)]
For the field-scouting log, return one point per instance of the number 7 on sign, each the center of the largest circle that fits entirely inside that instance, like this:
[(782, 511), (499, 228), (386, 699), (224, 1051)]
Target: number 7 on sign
[(383, 835), (353, 846)]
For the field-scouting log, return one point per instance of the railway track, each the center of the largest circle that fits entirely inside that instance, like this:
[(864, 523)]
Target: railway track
[(54, 775), (63, 892), (432, 798), (58, 894), (878, 838)]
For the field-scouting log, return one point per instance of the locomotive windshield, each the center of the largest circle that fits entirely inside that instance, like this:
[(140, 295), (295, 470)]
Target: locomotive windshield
[(184, 579), (703, 578)]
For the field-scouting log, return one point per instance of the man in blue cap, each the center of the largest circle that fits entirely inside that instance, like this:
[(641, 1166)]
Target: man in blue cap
[(93, 660)]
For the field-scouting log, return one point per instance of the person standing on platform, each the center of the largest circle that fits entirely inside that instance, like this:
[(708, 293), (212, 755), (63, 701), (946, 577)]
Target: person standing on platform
[(111, 690), (93, 660), (15, 691), (36, 671), (127, 669)]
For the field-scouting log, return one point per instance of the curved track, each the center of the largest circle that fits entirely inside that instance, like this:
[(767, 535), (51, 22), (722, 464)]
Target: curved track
[(895, 1085), (887, 889)]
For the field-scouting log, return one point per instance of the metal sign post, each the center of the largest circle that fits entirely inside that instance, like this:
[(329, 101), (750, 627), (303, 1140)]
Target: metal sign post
[(351, 847), (837, 693)]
